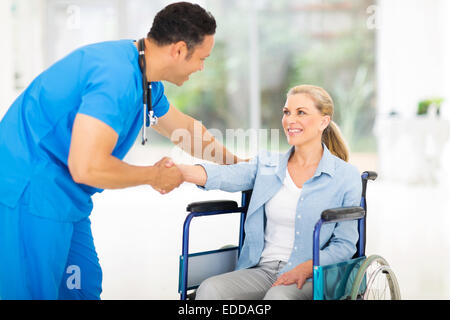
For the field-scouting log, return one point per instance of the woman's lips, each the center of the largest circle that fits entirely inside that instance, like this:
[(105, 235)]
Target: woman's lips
[(294, 131)]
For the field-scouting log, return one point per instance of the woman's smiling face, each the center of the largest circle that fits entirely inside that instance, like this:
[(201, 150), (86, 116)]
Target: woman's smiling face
[(302, 121)]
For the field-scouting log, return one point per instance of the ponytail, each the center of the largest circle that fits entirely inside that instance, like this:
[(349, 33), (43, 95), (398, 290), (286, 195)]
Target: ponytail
[(333, 139)]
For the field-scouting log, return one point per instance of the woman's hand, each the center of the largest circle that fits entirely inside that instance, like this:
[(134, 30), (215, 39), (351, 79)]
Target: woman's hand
[(297, 275), (191, 173)]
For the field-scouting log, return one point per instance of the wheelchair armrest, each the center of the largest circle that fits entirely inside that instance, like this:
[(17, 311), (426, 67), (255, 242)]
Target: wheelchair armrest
[(213, 205), (342, 214)]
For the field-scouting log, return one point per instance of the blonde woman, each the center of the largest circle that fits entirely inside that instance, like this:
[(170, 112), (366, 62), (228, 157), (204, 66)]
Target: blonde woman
[(289, 193)]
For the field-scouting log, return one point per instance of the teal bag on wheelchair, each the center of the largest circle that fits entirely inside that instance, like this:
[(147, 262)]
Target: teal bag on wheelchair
[(335, 281)]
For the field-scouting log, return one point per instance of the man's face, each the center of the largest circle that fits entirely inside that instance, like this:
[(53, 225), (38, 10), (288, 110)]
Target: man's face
[(192, 61)]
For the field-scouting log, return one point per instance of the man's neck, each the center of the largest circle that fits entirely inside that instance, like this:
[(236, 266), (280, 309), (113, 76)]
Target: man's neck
[(151, 60)]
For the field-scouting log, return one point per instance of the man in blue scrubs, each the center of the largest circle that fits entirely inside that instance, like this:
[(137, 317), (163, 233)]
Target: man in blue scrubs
[(64, 139)]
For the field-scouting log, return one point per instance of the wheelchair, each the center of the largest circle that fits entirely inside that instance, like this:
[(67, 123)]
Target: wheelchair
[(361, 278)]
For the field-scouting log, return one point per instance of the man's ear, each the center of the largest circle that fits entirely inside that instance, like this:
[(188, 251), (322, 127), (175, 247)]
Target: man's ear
[(179, 50)]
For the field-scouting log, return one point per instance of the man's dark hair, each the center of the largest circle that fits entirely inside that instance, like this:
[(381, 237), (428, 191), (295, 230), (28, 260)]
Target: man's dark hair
[(182, 21)]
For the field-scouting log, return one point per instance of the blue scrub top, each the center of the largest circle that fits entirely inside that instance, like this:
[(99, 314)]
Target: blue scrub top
[(101, 80)]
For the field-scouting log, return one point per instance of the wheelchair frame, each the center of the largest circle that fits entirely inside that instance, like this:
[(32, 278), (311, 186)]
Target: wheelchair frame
[(216, 207)]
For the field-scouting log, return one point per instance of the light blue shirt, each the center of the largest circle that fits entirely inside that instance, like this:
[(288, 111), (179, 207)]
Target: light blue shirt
[(102, 80), (335, 183)]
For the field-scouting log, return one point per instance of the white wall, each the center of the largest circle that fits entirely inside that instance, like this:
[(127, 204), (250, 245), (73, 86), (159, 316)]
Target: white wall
[(413, 46), (408, 212), (444, 16), (6, 57), (413, 50), (22, 51)]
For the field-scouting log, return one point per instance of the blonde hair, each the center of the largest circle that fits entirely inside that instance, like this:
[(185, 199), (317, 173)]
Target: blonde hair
[(331, 136)]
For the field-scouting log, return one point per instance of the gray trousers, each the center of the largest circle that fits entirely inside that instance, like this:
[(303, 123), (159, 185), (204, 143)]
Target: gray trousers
[(252, 284)]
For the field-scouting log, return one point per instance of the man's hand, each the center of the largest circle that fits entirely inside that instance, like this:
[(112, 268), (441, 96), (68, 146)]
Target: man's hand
[(297, 275), (168, 176)]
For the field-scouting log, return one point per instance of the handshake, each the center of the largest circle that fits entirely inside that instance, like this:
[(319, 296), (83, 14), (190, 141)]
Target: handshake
[(167, 177)]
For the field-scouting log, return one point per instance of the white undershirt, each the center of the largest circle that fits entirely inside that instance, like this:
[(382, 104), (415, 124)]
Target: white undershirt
[(280, 227)]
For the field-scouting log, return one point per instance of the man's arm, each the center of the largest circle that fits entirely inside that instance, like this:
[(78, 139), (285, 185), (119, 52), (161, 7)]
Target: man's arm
[(192, 137), (91, 162)]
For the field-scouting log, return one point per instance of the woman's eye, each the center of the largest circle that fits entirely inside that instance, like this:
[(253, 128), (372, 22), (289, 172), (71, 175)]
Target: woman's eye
[(300, 112)]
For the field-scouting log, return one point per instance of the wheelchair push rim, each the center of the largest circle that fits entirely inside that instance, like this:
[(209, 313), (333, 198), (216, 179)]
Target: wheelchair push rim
[(377, 277)]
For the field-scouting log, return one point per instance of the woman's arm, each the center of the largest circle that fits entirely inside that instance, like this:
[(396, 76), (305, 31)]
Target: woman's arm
[(230, 178), (193, 174)]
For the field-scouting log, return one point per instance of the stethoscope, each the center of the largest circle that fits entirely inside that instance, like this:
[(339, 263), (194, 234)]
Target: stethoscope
[(149, 119)]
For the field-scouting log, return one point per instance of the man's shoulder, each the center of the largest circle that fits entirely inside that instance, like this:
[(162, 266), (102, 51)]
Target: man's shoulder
[(107, 48), (109, 62), (109, 55)]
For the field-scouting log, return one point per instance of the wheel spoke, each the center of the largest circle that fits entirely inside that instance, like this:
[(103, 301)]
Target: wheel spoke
[(378, 280)]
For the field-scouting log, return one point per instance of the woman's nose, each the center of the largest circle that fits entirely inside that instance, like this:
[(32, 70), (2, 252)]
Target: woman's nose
[(291, 118)]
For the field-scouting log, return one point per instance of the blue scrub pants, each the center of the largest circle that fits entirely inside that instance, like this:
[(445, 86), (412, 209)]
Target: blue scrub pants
[(46, 259)]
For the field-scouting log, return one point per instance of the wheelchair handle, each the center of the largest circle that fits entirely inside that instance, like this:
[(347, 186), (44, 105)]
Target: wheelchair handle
[(369, 175), (366, 176)]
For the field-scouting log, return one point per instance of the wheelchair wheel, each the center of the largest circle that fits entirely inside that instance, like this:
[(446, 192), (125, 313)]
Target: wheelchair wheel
[(375, 280)]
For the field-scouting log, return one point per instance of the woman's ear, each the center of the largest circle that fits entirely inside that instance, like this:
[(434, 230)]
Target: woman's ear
[(325, 122)]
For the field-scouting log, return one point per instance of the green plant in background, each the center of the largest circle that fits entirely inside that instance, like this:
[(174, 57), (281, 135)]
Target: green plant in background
[(290, 53), (353, 110), (424, 105), (204, 96), (344, 67)]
